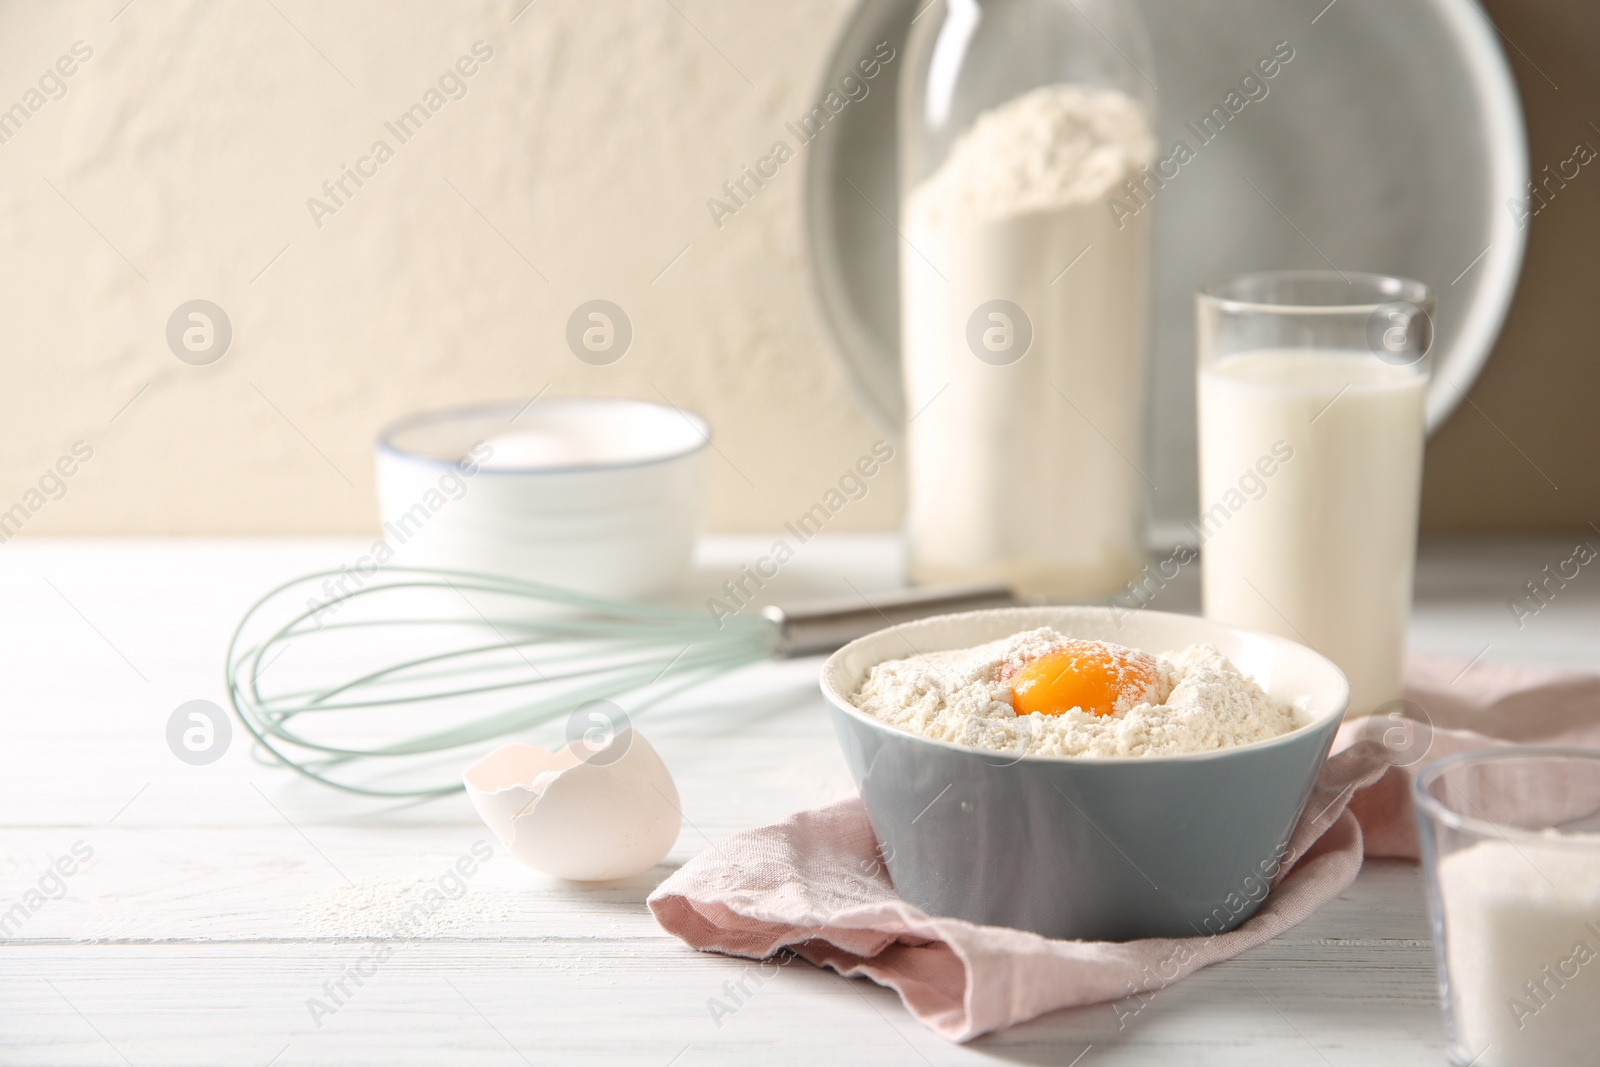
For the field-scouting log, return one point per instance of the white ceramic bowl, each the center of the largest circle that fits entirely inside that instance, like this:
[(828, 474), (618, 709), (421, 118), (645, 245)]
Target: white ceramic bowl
[(1081, 847), (599, 496)]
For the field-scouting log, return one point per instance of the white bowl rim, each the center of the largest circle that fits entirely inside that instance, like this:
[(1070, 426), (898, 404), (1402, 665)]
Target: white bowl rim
[(1334, 714), (387, 446)]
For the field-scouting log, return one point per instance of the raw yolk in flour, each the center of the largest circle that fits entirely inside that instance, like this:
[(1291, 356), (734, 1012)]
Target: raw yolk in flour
[(1094, 676)]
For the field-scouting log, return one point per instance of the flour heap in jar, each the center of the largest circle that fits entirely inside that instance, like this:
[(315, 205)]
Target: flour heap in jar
[(1023, 321)]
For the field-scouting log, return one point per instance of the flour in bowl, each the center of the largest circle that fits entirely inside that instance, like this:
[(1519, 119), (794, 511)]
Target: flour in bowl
[(1171, 704)]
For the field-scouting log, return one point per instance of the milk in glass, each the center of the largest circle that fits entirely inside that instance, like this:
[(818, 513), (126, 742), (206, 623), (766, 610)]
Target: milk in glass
[(1320, 550)]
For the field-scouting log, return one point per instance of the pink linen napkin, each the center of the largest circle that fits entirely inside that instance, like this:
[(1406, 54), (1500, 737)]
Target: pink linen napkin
[(813, 884)]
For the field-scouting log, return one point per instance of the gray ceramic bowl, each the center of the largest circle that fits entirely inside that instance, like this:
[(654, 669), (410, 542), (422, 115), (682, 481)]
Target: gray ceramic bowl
[(1096, 849)]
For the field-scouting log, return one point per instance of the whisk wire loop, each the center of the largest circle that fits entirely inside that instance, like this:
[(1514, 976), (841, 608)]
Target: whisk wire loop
[(433, 661)]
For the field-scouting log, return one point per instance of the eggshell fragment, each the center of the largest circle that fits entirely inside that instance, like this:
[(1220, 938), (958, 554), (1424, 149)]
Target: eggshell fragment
[(585, 819)]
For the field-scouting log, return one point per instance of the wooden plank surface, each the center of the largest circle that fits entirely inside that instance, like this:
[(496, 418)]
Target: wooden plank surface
[(200, 929)]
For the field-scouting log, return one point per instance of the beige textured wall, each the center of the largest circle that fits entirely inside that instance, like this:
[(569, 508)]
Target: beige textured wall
[(179, 160), (178, 165)]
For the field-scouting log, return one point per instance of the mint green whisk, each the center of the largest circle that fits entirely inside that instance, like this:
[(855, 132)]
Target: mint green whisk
[(383, 685)]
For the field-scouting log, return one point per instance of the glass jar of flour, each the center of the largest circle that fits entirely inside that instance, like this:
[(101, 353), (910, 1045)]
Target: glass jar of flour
[(1024, 274)]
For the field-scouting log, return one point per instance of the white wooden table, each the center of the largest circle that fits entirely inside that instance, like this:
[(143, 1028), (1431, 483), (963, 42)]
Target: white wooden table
[(183, 940)]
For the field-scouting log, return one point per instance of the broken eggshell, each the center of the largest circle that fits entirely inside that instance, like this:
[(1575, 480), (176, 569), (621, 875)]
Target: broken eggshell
[(580, 814)]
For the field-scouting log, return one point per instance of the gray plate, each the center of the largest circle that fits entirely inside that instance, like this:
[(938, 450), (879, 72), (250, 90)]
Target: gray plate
[(1391, 143)]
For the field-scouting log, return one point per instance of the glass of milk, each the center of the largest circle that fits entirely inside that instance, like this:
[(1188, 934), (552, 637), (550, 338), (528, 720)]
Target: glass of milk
[(1311, 389), (1511, 854)]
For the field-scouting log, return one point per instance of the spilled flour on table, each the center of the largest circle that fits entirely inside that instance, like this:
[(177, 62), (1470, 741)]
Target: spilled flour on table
[(373, 908)]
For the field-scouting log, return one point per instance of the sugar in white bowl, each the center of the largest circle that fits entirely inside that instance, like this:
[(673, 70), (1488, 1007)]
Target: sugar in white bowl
[(600, 496)]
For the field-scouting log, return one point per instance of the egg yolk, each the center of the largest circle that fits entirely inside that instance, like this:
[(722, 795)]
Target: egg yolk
[(1093, 676)]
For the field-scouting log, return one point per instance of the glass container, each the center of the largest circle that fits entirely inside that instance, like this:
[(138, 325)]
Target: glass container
[(1511, 855), (1312, 393), (1026, 148)]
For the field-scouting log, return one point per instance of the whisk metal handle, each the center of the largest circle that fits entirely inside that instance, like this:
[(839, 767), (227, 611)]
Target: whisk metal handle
[(805, 631)]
